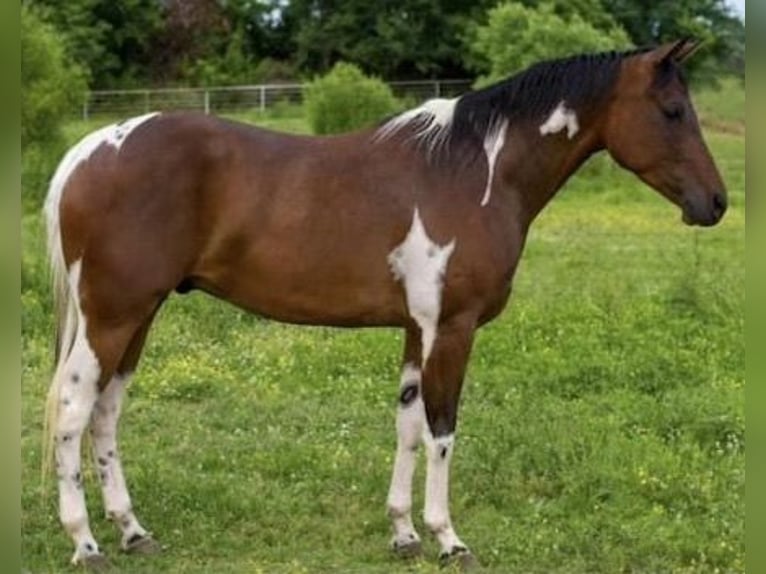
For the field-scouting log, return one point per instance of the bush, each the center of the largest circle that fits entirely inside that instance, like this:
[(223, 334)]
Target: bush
[(516, 37), (52, 85), (345, 99)]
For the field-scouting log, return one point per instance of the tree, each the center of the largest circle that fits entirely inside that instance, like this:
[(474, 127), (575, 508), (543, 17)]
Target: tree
[(112, 39), (712, 21), (516, 37), (407, 38), (52, 84)]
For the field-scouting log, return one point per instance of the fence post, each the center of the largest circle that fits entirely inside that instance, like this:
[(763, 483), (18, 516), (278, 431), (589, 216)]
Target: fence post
[(262, 91), (85, 108), (438, 89), (146, 102), (207, 102)]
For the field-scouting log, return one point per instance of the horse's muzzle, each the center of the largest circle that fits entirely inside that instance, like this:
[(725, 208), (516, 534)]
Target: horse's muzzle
[(706, 212)]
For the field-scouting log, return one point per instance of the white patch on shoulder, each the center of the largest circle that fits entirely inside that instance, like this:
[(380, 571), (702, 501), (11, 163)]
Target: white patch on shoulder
[(562, 117), (493, 143), (433, 119), (420, 264)]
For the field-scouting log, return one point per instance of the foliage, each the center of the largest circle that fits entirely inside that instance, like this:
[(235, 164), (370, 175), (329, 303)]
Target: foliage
[(52, 84), (711, 21), (346, 99), (232, 66), (409, 38), (112, 39), (516, 37), (128, 42), (601, 427)]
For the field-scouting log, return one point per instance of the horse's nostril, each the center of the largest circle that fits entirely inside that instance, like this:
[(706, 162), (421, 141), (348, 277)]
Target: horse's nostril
[(719, 204)]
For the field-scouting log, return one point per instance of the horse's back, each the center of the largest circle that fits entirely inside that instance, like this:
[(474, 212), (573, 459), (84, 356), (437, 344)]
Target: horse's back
[(272, 222)]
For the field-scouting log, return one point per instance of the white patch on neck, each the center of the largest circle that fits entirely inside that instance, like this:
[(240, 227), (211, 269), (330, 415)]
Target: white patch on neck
[(562, 117), (433, 119), (493, 143), (420, 264)]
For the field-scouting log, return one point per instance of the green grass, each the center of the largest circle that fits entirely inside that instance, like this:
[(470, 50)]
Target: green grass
[(724, 106), (601, 430)]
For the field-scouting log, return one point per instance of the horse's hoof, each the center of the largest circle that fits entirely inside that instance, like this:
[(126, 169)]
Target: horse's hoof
[(96, 563), (407, 549), (459, 557), (142, 545)]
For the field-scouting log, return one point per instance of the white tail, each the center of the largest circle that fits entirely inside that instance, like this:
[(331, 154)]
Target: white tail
[(64, 304)]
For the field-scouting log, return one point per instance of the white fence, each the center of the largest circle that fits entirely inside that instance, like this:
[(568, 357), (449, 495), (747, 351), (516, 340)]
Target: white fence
[(229, 99)]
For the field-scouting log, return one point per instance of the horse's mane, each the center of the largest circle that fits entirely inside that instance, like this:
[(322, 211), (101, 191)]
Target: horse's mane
[(532, 94)]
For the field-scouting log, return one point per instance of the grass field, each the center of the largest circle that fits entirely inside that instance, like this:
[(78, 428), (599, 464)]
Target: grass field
[(601, 430)]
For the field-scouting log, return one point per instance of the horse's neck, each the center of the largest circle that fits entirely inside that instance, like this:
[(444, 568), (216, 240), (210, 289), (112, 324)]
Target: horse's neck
[(534, 171)]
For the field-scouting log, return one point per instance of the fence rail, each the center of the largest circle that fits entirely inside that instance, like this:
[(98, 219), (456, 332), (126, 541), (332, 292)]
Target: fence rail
[(260, 97)]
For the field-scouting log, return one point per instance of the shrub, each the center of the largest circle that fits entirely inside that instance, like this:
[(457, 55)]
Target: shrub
[(52, 86), (345, 99), (516, 37)]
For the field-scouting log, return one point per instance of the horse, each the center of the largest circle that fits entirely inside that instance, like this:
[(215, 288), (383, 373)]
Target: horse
[(417, 223)]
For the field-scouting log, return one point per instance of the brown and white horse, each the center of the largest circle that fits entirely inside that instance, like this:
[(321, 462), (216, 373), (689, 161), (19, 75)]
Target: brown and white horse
[(418, 223)]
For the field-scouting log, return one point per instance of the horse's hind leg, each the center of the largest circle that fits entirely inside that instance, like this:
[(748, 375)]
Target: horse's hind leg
[(410, 418), (77, 388), (106, 414), (93, 357)]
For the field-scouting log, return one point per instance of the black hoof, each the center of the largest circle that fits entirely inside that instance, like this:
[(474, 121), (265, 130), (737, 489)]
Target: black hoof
[(97, 563), (143, 546), (460, 558), (407, 549)]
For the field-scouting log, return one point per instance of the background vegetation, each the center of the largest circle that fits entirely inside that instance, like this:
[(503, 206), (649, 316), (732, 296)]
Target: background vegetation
[(602, 427), (345, 99), (141, 42)]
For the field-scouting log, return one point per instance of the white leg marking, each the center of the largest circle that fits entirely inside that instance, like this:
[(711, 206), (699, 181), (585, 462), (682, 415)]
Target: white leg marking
[(76, 386), (104, 430), (561, 117), (436, 514), (410, 420), (493, 143), (420, 264)]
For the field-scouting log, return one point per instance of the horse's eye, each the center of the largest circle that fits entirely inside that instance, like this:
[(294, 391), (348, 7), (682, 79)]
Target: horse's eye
[(674, 113)]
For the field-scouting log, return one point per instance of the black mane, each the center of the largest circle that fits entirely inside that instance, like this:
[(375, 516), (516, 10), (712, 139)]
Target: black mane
[(533, 93)]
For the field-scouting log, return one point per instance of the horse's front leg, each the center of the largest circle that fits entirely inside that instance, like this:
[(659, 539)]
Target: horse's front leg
[(410, 418), (442, 381)]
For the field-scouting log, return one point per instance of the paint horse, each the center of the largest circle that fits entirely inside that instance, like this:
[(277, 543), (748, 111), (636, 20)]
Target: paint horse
[(418, 223)]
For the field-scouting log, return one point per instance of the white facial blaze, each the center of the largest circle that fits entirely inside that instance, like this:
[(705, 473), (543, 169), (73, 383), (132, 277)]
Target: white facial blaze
[(420, 264), (433, 117), (561, 118), (493, 143)]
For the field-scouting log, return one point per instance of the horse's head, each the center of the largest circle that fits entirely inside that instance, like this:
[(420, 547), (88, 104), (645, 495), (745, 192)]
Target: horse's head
[(651, 129)]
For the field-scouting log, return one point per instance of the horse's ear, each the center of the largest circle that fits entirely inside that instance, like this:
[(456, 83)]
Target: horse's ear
[(678, 51)]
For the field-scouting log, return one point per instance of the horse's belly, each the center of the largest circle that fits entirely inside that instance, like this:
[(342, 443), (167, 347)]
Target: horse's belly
[(331, 293)]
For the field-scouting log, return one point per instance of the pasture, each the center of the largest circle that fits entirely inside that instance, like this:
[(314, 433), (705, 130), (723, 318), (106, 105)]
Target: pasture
[(601, 428)]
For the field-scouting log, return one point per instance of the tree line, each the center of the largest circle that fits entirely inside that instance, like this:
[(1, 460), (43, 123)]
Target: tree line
[(124, 43)]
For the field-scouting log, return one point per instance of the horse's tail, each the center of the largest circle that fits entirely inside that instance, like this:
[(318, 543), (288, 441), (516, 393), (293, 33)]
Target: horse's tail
[(63, 301)]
